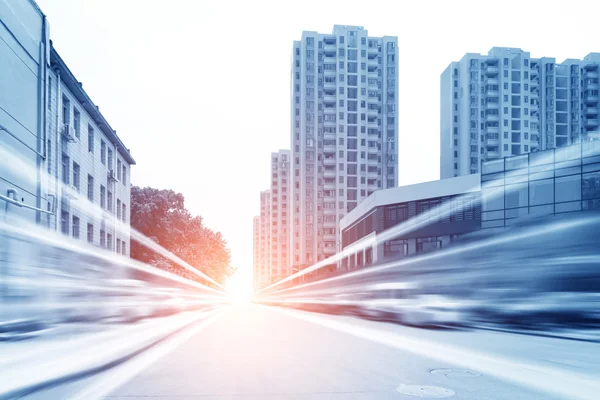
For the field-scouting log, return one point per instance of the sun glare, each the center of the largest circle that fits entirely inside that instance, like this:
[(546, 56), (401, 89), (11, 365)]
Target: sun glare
[(239, 290)]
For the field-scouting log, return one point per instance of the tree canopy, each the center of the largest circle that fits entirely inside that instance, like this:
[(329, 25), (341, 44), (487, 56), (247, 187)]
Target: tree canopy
[(161, 215)]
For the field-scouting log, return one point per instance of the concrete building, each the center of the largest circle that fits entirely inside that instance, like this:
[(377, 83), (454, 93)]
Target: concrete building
[(88, 166), (264, 242), (24, 55), (551, 182), (256, 252), (280, 219), (412, 211), (64, 167), (344, 131), (507, 103)]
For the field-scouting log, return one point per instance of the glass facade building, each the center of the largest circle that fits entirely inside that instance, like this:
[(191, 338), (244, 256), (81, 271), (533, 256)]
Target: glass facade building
[(561, 180)]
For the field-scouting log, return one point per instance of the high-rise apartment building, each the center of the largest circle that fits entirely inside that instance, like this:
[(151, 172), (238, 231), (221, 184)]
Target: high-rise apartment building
[(344, 132), (262, 273), (506, 103), (280, 219), (256, 251)]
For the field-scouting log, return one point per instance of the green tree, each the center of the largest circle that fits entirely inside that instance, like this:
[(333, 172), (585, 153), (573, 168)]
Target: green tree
[(161, 215)]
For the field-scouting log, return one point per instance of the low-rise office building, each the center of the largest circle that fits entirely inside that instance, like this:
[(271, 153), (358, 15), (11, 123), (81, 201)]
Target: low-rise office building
[(411, 219), (550, 182)]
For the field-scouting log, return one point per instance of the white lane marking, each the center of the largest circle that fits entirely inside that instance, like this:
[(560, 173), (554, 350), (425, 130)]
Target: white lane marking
[(564, 383), (117, 376)]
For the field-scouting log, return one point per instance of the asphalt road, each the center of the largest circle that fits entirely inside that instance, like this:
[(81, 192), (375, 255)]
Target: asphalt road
[(252, 352), (256, 352)]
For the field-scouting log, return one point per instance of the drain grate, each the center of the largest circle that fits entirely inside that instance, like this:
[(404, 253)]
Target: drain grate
[(431, 392), (455, 373)]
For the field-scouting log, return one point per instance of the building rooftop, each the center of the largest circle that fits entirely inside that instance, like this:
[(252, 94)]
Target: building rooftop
[(418, 191), (76, 88)]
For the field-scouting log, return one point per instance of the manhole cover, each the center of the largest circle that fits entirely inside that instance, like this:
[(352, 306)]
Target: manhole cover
[(432, 392), (455, 373)]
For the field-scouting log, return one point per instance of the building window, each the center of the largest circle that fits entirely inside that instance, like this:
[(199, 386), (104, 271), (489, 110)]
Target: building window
[(109, 200), (102, 197), (427, 244), (103, 152), (90, 188), (118, 245), (76, 122), (109, 241), (110, 159), (75, 227), (124, 248), (90, 233), (90, 139), (118, 169), (65, 168), (102, 238), (64, 222), (118, 208), (124, 212), (76, 174)]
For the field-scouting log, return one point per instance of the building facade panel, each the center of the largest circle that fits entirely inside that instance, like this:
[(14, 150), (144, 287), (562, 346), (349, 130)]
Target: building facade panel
[(551, 182)]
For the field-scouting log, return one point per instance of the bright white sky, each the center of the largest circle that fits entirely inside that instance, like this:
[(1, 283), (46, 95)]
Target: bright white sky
[(199, 90)]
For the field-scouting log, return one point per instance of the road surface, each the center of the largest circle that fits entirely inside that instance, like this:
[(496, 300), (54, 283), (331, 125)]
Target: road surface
[(255, 352)]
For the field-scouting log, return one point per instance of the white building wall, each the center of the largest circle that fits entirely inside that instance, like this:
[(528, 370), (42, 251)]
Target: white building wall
[(72, 202), (24, 45)]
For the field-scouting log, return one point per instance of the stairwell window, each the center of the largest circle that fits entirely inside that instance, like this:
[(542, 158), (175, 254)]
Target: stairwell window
[(103, 152), (76, 227), (76, 174), (90, 139), (76, 122)]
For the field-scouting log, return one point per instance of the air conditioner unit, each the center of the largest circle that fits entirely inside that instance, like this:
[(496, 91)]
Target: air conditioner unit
[(112, 176), (72, 192), (68, 132)]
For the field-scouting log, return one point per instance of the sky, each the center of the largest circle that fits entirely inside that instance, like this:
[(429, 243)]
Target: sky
[(200, 90)]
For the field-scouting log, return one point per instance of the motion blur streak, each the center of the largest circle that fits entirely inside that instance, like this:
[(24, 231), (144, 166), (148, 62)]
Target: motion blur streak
[(29, 172), (120, 375), (554, 381), (68, 308), (421, 220)]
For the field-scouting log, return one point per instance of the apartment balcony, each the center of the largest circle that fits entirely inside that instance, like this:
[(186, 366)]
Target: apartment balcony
[(492, 70), (329, 149), (329, 186), (492, 142), (474, 141), (492, 129), (493, 93), (329, 236), (534, 93), (329, 224), (372, 112), (329, 136), (329, 123), (591, 73), (492, 117), (373, 150), (591, 99), (328, 85), (328, 98), (493, 81), (493, 154), (329, 72), (491, 105), (329, 173), (591, 123), (329, 161)]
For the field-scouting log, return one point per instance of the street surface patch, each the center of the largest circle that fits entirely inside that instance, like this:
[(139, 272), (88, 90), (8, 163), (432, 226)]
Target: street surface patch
[(432, 392), (455, 373)]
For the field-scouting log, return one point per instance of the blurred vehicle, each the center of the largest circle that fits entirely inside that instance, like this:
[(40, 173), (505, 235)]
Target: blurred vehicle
[(538, 273)]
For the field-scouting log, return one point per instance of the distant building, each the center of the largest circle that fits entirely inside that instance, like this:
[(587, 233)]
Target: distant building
[(555, 181), (81, 167), (256, 252), (262, 272), (507, 103), (413, 211), (344, 132), (281, 183)]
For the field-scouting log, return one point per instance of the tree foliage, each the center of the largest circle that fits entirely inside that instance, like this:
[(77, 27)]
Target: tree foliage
[(161, 215)]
